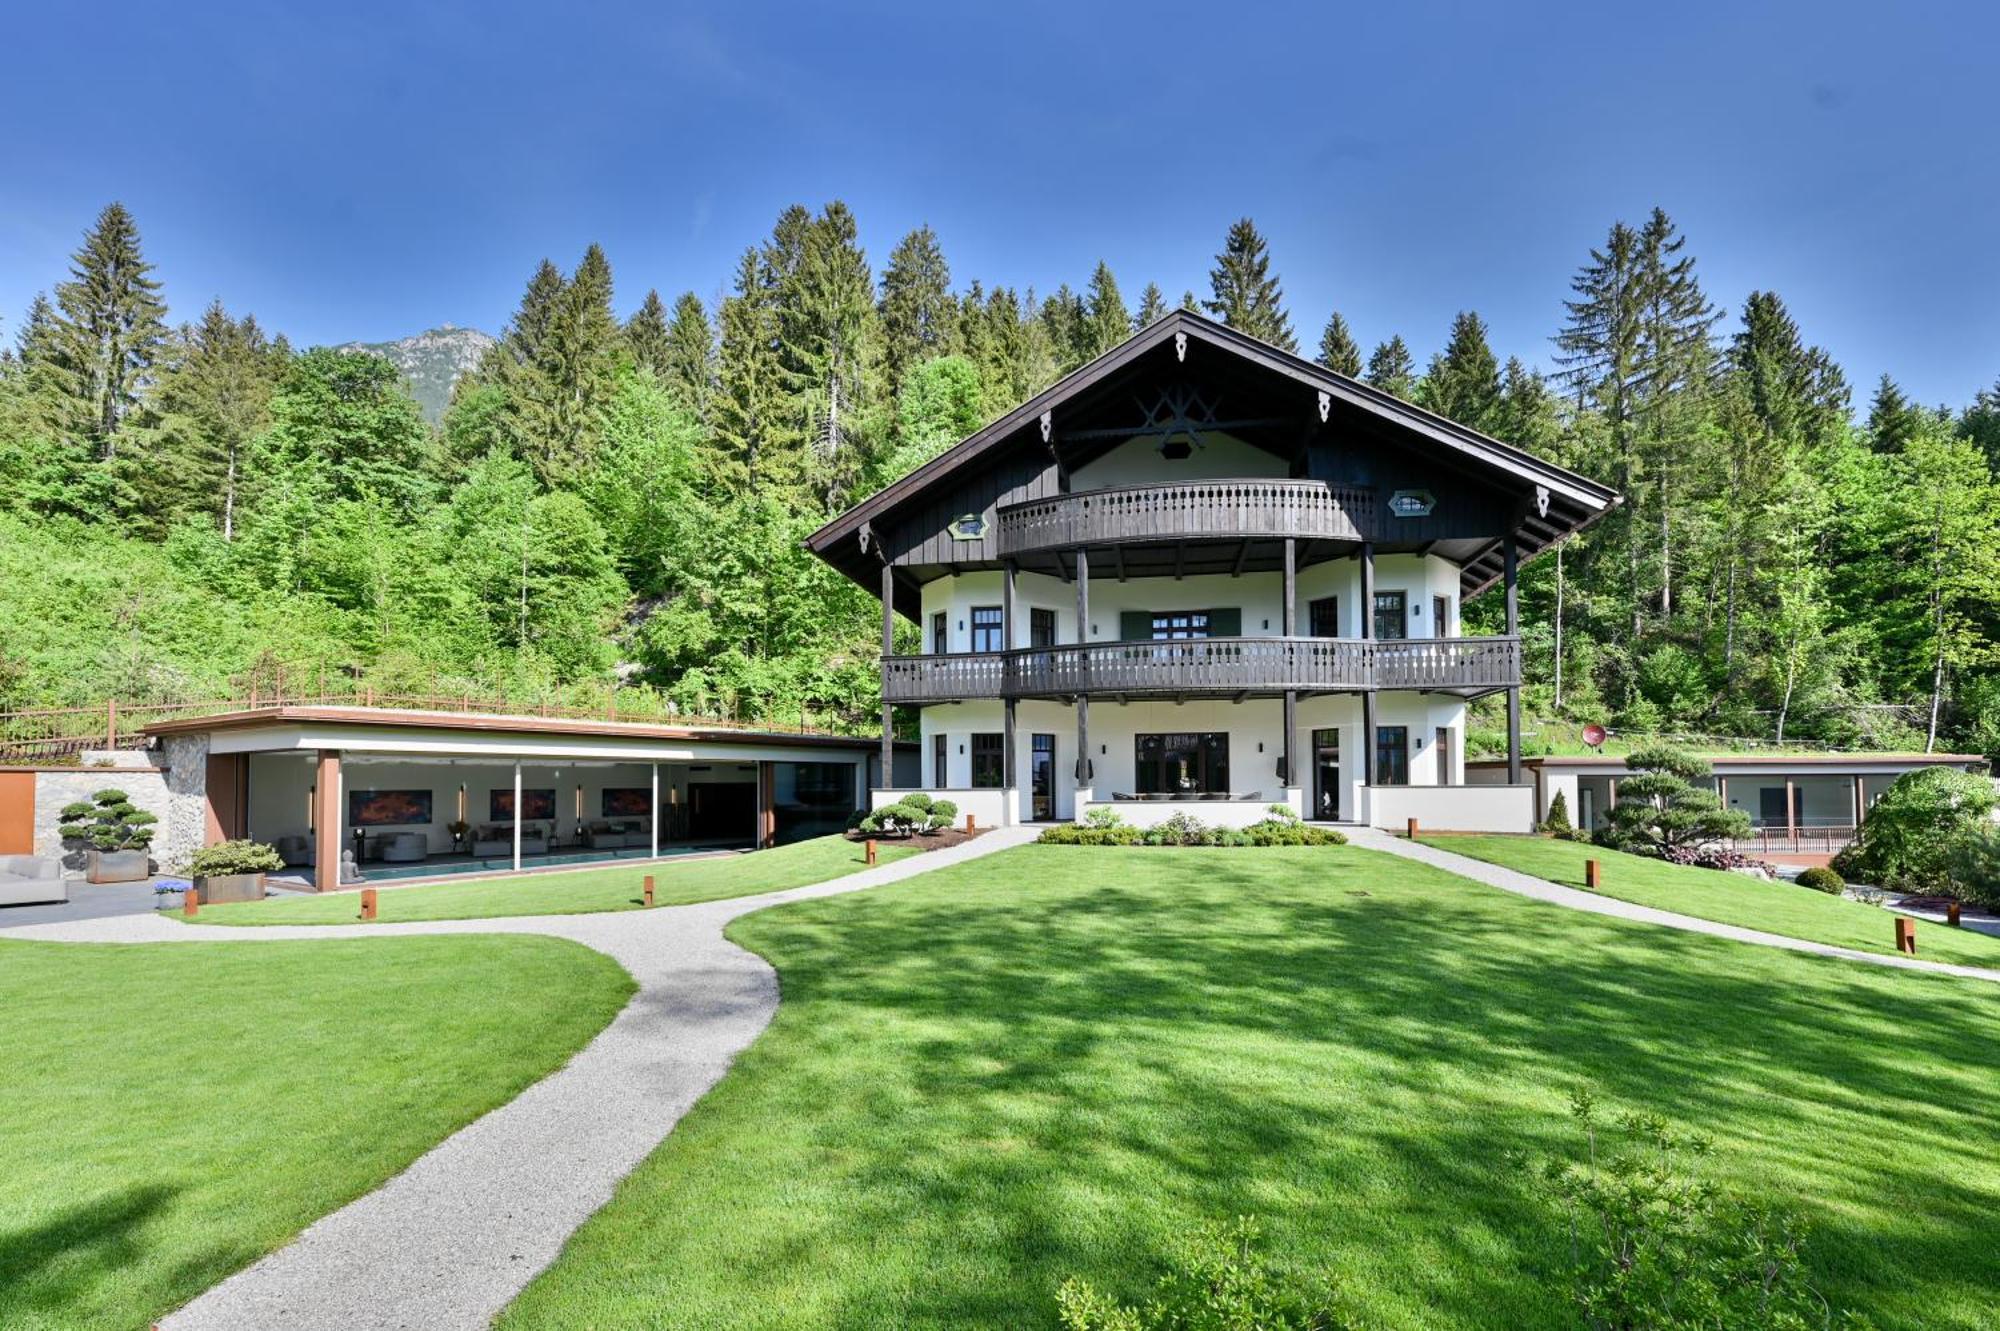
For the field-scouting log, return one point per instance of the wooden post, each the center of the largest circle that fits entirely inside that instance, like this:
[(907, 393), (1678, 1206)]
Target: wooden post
[(1510, 570), (1791, 813), (1412, 829), (1906, 935), (1593, 874), (328, 806), (111, 723), (649, 889), (1951, 915), (190, 902), (970, 824), (870, 850), (367, 903), (889, 650)]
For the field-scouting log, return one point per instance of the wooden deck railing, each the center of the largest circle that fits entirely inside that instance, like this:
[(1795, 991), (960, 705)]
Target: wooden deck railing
[(1206, 666), (1188, 509)]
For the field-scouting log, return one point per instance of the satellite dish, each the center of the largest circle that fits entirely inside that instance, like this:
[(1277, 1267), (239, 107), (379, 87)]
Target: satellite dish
[(1593, 735)]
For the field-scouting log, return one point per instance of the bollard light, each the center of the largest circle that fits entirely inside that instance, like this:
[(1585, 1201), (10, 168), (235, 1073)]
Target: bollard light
[(1411, 830), (1906, 935), (190, 902), (367, 903), (1593, 874), (871, 850), (649, 889)]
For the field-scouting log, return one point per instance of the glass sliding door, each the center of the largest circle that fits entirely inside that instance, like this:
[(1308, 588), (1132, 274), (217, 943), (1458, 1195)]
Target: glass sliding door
[(1326, 775), (1183, 764), (1042, 776)]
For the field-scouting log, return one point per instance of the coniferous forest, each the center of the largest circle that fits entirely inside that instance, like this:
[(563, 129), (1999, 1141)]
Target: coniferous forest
[(613, 505)]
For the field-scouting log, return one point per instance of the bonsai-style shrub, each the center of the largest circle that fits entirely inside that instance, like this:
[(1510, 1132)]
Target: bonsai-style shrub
[(1823, 880), (1217, 1279), (1557, 823), (230, 858), (109, 822), (915, 813), (1660, 809), (1906, 839)]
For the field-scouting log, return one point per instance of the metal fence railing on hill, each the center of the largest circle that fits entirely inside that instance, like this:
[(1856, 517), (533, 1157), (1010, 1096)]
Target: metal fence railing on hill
[(61, 734)]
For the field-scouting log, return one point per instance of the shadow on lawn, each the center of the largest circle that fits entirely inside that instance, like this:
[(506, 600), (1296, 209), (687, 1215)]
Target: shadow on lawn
[(50, 1265), (1094, 1067)]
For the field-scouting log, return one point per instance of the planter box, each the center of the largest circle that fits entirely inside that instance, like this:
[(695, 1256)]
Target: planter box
[(118, 866), (230, 887)]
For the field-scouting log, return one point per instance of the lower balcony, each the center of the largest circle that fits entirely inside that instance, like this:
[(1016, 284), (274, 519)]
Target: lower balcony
[(1208, 667)]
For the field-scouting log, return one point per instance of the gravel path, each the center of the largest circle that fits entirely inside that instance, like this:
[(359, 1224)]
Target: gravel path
[(1521, 884), (450, 1241)]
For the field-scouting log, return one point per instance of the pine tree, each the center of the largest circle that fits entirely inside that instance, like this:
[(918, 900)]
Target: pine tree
[(1678, 356), (918, 311), (647, 337), (1064, 327), (1463, 382), (1106, 321), (1391, 369), (1152, 308), (1793, 392), (1893, 421), (749, 395), (1980, 423), (1189, 303), (110, 327), (1337, 350), (1244, 293), (211, 400), (829, 346), (562, 400), (1527, 415), (689, 371)]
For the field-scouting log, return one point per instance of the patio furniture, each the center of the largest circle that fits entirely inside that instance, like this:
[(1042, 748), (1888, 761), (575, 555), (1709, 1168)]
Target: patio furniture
[(403, 848), (497, 841), (294, 850), (31, 880), (616, 835)]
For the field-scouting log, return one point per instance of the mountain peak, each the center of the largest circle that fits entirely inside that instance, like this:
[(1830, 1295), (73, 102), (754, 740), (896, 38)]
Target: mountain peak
[(431, 361)]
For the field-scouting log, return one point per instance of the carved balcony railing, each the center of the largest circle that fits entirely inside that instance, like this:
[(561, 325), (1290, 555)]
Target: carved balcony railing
[(1311, 510), (1206, 666)]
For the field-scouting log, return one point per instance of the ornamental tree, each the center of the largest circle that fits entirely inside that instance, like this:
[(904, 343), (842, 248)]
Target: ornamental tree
[(1660, 809)]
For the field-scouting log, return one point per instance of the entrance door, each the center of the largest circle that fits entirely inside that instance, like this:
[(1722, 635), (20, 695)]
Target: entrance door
[(1326, 775), (1042, 776)]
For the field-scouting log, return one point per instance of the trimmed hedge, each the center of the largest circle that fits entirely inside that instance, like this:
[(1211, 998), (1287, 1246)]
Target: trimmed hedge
[(1105, 828)]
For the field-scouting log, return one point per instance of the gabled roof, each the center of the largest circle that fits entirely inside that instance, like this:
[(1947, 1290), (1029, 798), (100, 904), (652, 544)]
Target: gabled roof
[(1575, 500)]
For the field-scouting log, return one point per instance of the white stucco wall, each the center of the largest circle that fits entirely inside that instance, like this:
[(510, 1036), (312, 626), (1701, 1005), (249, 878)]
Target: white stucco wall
[(1481, 808), (1138, 462)]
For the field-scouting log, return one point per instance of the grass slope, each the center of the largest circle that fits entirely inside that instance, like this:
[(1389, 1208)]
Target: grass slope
[(1052, 1060), (1779, 908), (174, 1112), (584, 892)]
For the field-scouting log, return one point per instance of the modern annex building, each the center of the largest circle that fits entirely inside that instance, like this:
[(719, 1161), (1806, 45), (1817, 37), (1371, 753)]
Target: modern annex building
[(1203, 574)]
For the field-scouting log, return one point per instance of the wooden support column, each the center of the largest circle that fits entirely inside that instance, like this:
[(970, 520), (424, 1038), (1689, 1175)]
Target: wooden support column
[(1009, 766), (1792, 812), (1860, 801), (1289, 623), (1510, 572), (767, 804), (327, 802), (1007, 642), (517, 816), (1722, 792), (888, 650), (1368, 695)]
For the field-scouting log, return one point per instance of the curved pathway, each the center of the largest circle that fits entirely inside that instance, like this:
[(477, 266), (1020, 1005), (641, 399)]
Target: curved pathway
[(1526, 885), (452, 1239)]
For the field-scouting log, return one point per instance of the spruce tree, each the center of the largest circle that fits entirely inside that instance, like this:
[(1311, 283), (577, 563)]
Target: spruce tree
[(1793, 391), (1337, 350), (1679, 359), (212, 398), (1893, 421), (829, 343), (1065, 329), (918, 311), (1463, 382), (1189, 303), (110, 327), (1106, 320), (1980, 423), (560, 407), (1243, 291), (749, 395), (1392, 369), (690, 359), (647, 337), (1152, 308), (1527, 415)]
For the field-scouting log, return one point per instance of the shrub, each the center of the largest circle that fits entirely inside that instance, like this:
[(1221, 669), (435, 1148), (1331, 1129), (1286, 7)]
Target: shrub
[(1290, 832), (233, 857), (1972, 865), (1557, 823), (943, 814), (1823, 880), (1653, 1243), (1102, 817), (1661, 809), (1714, 857), (1077, 834), (1179, 829), (1217, 1280), (1280, 829), (1907, 838), (110, 822)]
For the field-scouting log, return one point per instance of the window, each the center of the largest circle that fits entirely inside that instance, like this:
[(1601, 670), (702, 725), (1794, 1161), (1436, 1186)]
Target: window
[(1041, 628), (939, 747), (1392, 755), (989, 762), (1390, 619), (1323, 617), (1440, 616), (1183, 764), (1179, 624), (939, 629), (1441, 754), (986, 629)]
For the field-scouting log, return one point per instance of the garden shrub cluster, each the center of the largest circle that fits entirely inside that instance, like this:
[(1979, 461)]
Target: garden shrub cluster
[(1931, 831), (233, 857), (914, 814), (1104, 827), (1823, 880), (108, 822), (1713, 857)]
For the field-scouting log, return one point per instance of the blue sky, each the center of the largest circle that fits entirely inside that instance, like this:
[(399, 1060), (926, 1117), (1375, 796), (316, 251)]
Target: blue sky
[(371, 170)]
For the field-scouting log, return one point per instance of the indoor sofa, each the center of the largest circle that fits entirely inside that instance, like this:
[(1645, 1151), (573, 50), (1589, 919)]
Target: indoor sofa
[(498, 842)]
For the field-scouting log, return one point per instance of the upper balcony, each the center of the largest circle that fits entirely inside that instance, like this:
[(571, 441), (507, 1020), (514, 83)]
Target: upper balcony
[(1208, 667), (1243, 510)]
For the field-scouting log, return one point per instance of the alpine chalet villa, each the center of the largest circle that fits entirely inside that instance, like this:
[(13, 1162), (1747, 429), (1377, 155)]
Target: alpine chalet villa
[(1202, 575)]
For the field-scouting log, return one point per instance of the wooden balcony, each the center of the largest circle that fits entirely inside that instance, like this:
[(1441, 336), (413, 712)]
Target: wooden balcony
[(1188, 510), (1207, 667)]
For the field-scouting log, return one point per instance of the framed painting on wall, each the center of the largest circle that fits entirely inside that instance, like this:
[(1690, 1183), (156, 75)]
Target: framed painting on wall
[(388, 808), (628, 802), (539, 806)]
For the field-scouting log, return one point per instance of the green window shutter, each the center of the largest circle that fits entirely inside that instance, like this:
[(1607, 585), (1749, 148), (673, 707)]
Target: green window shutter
[(1135, 625), (1225, 623)]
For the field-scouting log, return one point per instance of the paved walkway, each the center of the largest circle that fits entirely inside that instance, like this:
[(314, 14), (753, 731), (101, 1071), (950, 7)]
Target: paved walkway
[(450, 1241), (1521, 884)]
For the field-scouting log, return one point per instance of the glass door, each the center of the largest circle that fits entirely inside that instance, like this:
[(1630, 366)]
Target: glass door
[(1042, 776), (1326, 775)]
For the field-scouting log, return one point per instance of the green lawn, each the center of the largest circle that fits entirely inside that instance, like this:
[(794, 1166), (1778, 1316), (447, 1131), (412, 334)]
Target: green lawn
[(174, 1112), (1052, 1060), (1779, 908), (582, 892)]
